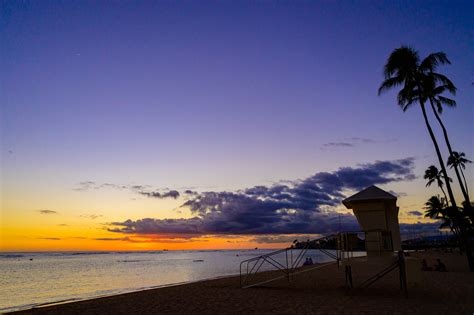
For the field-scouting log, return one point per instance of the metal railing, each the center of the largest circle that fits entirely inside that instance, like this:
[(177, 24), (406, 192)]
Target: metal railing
[(284, 260)]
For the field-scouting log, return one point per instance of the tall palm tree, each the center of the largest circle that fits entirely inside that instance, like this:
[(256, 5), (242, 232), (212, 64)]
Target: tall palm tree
[(404, 68), (432, 174), (458, 160), (434, 92)]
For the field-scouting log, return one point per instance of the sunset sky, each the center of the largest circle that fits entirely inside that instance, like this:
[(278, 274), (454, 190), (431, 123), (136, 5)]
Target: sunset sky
[(197, 125)]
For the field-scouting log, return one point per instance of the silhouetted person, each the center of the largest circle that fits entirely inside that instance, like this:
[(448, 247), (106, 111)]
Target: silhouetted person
[(440, 266), (310, 260)]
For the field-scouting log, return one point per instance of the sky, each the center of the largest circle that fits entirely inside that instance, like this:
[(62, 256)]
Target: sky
[(204, 125)]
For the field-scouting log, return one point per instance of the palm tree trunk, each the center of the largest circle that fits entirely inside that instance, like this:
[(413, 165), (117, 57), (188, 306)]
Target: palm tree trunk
[(465, 182), (464, 241), (445, 133), (438, 153), (444, 193)]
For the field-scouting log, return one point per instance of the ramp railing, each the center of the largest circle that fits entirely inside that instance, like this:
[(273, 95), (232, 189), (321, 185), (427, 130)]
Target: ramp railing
[(286, 261)]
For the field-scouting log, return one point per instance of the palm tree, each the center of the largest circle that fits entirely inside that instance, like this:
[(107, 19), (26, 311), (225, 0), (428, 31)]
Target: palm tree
[(435, 97), (432, 174), (403, 68), (435, 209), (458, 160)]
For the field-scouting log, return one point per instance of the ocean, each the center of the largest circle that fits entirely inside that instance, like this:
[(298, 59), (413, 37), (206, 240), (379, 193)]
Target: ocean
[(37, 279)]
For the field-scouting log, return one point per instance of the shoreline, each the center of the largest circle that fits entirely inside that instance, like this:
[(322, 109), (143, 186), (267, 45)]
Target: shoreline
[(77, 300), (317, 291)]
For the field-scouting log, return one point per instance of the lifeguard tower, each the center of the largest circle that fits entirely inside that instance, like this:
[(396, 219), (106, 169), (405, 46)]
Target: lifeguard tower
[(377, 213)]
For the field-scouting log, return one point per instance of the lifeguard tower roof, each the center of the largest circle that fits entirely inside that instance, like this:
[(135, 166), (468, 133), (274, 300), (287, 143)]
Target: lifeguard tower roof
[(371, 193)]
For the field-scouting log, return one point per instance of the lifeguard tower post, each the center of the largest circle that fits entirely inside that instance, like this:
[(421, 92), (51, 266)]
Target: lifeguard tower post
[(377, 213)]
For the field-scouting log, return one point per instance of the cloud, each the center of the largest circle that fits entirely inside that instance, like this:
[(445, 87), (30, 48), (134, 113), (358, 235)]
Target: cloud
[(398, 194), (144, 190), (268, 239), (337, 144), (353, 142), (47, 211), (362, 140), (91, 216), (415, 213), (86, 185), (50, 238), (150, 239), (155, 194), (110, 239), (304, 206), (189, 192)]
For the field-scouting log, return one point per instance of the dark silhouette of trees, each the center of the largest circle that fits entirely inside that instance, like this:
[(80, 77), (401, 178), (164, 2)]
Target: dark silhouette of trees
[(458, 160), (404, 68), (432, 174), (420, 84), (437, 101)]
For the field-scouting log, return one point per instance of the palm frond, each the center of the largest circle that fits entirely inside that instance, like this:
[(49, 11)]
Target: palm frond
[(439, 106), (445, 81), (390, 83), (433, 60), (402, 61), (447, 101)]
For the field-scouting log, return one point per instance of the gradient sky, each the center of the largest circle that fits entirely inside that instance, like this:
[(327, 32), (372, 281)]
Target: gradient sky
[(208, 96)]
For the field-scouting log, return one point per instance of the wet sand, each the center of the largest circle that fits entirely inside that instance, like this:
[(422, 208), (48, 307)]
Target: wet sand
[(319, 291)]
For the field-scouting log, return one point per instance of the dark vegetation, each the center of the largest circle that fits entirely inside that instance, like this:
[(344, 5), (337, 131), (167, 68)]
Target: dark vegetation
[(421, 84)]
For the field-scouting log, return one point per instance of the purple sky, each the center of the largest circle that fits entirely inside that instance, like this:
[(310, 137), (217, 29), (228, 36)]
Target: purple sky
[(217, 95)]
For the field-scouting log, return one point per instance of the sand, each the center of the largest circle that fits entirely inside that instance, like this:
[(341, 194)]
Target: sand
[(319, 291)]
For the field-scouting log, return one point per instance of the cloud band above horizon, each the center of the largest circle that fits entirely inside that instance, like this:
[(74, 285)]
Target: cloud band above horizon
[(301, 206)]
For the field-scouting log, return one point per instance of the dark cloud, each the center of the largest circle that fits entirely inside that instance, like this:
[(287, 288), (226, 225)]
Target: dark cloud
[(415, 213), (189, 192), (155, 194), (292, 208), (50, 238), (47, 211), (110, 239), (268, 239)]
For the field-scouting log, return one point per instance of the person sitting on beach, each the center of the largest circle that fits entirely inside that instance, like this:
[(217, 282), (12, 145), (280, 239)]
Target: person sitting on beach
[(424, 266), (308, 262), (440, 266)]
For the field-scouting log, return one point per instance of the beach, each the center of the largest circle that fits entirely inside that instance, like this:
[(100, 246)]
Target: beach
[(319, 291)]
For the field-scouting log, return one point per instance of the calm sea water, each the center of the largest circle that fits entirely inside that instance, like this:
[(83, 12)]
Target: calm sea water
[(33, 279)]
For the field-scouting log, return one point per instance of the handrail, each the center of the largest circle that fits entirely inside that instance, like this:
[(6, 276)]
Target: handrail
[(288, 267)]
